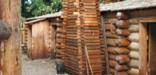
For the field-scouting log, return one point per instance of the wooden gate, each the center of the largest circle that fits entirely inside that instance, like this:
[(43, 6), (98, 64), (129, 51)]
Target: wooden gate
[(42, 40)]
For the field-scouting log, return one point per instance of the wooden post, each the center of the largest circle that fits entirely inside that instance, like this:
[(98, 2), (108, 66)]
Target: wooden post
[(143, 49), (10, 14)]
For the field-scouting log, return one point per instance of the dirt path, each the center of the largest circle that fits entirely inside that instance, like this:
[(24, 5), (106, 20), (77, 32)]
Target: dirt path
[(38, 67)]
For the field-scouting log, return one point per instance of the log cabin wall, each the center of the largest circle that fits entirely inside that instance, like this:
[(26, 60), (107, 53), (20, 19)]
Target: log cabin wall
[(24, 38), (110, 35), (137, 64), (60, 36), (44, 32), (132, 50), (117, 44)]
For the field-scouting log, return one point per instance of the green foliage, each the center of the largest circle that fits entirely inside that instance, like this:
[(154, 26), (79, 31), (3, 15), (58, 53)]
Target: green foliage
[(101, 1), (40, 7), (24, 7)]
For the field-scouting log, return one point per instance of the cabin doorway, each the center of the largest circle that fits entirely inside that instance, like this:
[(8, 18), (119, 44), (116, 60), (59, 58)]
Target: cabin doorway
[(151, 27), (147, 40)]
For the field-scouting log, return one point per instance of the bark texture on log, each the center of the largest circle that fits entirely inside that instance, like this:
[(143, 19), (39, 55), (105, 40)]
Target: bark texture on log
[(123, 42), (121, 68), (124, 24), (10, 14), (134, 37), (111, 35), (122, 32), (134, 63), (117, 50), (134, 54), (118, 43), (133, 71), (134, 49), (122, 59), (134, 46), (112, 63), (111, 42), (133, 28)]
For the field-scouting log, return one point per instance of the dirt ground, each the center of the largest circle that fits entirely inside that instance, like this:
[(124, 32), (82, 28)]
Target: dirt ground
[(38, 67)]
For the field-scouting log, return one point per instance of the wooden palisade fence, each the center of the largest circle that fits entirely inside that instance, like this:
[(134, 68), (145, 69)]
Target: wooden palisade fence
[(82, 52)]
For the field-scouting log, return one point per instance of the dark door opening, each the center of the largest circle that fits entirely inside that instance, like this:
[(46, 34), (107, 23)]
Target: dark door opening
[(152, 48)]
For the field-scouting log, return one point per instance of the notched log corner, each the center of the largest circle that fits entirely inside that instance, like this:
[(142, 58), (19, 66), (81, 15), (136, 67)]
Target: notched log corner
[(5, 31)]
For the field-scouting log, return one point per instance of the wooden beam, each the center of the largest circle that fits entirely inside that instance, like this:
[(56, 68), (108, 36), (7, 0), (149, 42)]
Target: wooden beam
[(143, 49)]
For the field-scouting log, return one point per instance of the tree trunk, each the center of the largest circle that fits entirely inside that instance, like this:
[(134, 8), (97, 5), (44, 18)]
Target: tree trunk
[(9, 13)]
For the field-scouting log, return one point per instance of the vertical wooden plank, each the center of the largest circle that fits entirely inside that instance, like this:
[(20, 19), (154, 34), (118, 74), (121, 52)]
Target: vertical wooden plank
[(105, 41), (143, 49)]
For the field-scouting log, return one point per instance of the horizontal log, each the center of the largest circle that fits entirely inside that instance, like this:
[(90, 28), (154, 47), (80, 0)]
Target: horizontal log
[(122, 42), (60, 35), (120, 68), (112, 63), (111, 42), (134, 63), (112, 70), (134, 54), (112, 57), (134, 28), (134, 37), (89, 4), (111, 35), (110, 27), (122, 59), (122, 32), (121, 73), (134, 46), (111, 50), (121, 50), (121, 16), (133, 71), (90, 19), (122, 23), (118, 50)]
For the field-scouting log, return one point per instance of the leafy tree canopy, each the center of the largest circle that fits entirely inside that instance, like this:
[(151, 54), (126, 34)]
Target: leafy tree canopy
[(31, 8)]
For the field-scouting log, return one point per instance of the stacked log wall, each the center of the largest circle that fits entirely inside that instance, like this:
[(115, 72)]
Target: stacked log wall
[(61, 32), (110, 38), (91, 34), (73, 50), (117, 44), (122, 41), (134, 48), (82, 38), (60, 35), (24, 36)]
